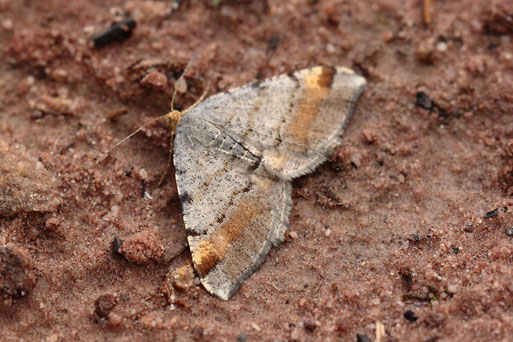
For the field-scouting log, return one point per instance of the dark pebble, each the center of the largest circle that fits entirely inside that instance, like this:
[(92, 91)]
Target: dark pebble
[(116, 245), (117, 31), (509, 231), (410, 316), (455, 250), (406, 276), (310, 326), (104, 305), (17, 278), (242, 337), (469, 228), (362, 338), (492, 213), (423, 101)]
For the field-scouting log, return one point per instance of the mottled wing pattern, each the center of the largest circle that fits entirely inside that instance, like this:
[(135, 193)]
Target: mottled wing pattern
[(234, 156), (294, 121), (233, 213)]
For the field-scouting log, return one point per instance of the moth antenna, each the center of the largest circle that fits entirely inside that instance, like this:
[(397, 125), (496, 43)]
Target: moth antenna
[(182, 78), (198, 101), (172, 105), (102, 157)]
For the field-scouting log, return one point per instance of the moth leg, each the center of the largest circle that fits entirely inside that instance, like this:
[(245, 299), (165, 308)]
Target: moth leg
[(173, 118)]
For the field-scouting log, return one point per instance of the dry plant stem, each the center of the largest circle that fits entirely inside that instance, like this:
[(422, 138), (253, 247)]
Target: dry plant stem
[(427, 12)]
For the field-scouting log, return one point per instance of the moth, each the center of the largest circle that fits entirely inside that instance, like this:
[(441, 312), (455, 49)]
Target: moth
[(235, 155)]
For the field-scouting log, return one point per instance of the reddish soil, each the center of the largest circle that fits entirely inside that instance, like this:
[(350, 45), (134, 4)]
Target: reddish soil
[(396, 221)]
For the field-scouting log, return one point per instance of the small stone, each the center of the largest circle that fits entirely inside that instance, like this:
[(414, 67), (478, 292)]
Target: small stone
[(302, 302), (7, 24), (52, 338), (17, 278), (182, 278), (441, 46), (104, 305), (424, 101), (489, 142), (152, 320), (242, 337), (144, 174), (410, 316), (491, 213), (453, 288), (362, 338), (509, 231), (155, 80), (369, 135), (310, 326), (115, 320), (330, 48), (469, 228), (142, 248), (425, 51), (116, 245), (294, 334), (294, 235), (356, 160), (255, 326)]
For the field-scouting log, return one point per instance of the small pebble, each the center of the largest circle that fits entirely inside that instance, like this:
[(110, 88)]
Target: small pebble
[(242, 337), (425, 51), (310, 326), (144, 174), (255, 326), (362, 338), (142, 248), (182, 278), (155, 80), (116, 245), (509, 231), (410, 316), (441, 46), (104, 305), (115, 320), (453, 288), (7, 24), (491, 213), (369, 135), (17, 277), (302, 302), (293, 235)]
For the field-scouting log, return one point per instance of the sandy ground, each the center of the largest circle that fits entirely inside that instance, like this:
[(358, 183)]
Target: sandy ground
[(393, 228)]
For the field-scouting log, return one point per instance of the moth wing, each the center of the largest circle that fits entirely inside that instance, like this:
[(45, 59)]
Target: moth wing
[(294, 121), (232, 212)]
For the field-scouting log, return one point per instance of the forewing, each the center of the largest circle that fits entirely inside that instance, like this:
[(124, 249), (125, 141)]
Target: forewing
[(233, 211), (294, 121)]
